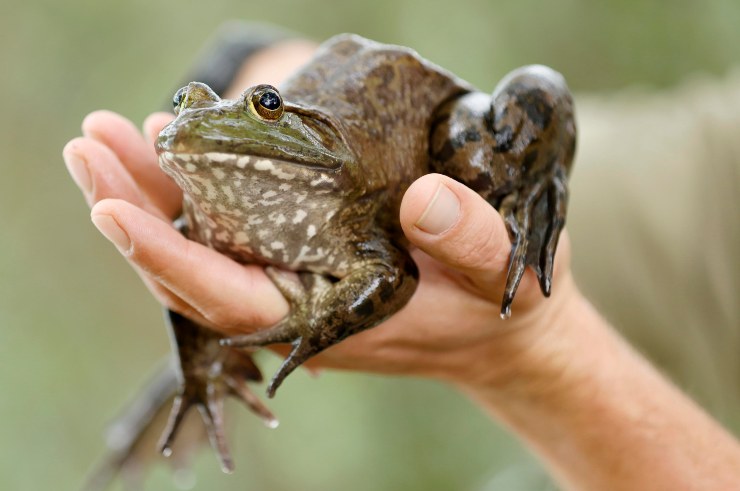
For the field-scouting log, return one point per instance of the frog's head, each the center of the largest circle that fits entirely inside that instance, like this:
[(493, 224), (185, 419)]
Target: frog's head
[(257, 127)]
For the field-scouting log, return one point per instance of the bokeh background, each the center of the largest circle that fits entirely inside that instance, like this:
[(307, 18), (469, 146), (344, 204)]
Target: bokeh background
[(78, 332)]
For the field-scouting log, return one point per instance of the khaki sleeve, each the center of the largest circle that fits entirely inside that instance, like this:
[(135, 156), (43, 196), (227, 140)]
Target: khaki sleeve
[(654, 217)]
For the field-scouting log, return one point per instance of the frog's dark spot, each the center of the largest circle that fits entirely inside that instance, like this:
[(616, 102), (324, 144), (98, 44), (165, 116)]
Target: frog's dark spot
[(386, 75), (468, 135), (529, 159), (538, 109), (440, 119), (504, 139), (489, 120), (364, 308), (386, 291), (410, 268), (482, 183), (446, 152)]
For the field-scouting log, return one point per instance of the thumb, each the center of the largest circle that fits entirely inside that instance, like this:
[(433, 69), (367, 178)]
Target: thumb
[(456, 226)]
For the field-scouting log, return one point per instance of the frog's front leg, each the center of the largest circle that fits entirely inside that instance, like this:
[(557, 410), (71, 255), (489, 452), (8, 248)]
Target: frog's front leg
[(207, 372), (515, 149), (324, 312)]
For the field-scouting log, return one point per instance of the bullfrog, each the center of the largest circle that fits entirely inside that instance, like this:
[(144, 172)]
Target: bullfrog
[(309, 178)]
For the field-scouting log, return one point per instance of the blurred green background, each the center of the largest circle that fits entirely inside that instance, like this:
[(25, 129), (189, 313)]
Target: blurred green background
[(78, 332)]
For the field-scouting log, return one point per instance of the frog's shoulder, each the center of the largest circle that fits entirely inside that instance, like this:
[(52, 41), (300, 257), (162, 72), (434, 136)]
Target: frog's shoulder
[(347, 63), (345, 45), (366, 54)]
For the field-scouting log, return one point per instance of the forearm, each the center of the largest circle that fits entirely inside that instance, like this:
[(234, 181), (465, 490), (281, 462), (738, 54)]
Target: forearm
[(601, 418)]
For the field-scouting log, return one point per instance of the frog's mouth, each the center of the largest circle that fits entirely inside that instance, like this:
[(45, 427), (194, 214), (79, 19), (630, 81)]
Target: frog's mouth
[(211, 175)]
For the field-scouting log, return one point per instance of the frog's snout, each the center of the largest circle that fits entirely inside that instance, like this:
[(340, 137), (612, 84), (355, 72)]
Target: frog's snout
[(193, 94)]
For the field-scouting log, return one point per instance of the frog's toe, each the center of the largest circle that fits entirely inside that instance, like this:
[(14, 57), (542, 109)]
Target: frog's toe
[(281, 333), (241, 390), (534, 217), (302, 351), (558, 199), (211, 410)]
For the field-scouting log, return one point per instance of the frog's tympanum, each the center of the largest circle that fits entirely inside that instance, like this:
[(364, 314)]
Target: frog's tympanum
[(309, 178)]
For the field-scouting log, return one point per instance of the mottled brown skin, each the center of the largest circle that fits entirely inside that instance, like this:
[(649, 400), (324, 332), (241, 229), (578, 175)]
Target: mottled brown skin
[(515, 149), (311, 181)]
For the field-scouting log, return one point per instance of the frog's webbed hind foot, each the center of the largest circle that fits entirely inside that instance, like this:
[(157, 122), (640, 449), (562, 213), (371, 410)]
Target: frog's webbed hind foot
[(534, 217), (208, 373)]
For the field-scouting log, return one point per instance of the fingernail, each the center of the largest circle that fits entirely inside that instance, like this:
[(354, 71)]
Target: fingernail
[(112, 231), (78, 170), (441, 213)]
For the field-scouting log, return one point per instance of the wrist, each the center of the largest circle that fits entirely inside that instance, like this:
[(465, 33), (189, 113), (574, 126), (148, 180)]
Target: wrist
[(535, 352)]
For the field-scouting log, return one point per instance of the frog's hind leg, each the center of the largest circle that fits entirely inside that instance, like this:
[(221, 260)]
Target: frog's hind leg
[(207, 373), (515, 149)]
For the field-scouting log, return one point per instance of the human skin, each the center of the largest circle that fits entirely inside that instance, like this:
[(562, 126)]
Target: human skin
[(596, 413)]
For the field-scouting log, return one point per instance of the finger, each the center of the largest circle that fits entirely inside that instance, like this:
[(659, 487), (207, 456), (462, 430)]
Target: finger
[(137, 156), (227, 295), (99, 174), (456, 226), (154, 123), (168, 298)]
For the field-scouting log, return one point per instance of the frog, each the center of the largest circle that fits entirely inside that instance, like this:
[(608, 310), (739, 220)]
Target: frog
[(308, 179)]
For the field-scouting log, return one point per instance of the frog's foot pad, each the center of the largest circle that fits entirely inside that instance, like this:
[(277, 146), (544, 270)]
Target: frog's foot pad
[(210, 372), (295, 329), (534, 217)]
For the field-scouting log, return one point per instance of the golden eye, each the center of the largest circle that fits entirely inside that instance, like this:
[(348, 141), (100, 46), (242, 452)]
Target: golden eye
[(178, 98), (266, 103)]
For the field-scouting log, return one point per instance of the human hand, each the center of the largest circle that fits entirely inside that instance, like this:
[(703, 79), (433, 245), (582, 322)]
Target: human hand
[(450, 329)]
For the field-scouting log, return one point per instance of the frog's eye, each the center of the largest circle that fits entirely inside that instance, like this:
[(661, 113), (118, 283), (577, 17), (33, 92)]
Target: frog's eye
[(266, 103), (178, 98)]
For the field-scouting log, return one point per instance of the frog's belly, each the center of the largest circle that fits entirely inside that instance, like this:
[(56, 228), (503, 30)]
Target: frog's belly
[(297, 240)]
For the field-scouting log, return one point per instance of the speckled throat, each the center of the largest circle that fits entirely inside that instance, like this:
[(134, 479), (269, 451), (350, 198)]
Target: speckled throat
[(251, 209)]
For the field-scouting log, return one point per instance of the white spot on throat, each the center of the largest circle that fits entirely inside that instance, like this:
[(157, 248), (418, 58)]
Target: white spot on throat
[(264, 164), (219, 157), (311, 231), (269, 165), (277, 245), (322, 178), (305, 257), (266, 252), (299, 216)]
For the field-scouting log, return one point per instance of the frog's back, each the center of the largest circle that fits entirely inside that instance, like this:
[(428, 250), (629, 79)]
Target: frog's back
[(384, 96)]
